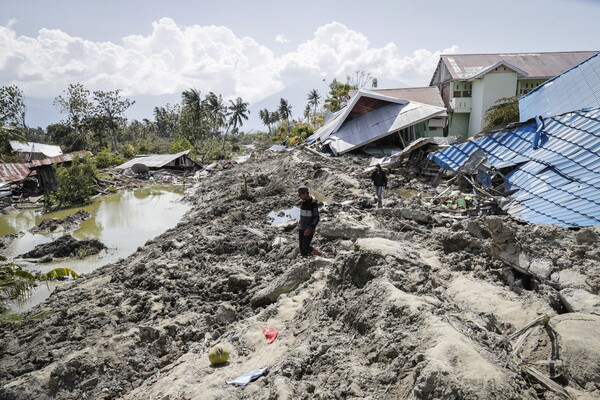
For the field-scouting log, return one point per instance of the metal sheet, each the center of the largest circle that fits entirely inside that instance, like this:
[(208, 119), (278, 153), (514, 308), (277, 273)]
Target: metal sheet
[(575, 89), (59, 159), (557, 182), (12, 172), (380, 123), (152, 161), (29, 147), (536, 65)]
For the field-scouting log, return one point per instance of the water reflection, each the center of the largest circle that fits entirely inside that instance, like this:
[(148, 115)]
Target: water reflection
[(122, 221)]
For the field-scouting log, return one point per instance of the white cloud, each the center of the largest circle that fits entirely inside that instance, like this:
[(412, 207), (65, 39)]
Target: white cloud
[(281, 39), (210, 58)]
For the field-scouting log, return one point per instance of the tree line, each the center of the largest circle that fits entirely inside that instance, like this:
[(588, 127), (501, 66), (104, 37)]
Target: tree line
[(206, 124)]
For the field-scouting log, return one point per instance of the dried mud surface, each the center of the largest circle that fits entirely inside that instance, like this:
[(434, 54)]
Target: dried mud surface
[(408, 302)]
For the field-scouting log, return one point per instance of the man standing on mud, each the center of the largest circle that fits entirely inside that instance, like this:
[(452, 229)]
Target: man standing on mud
[(379, 181), (309, 218)]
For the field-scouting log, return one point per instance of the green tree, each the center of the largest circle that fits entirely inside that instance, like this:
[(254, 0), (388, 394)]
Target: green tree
[(338, 94), (238, 112), (75, 183), (314, 99), (503, 112), (180, 145), (284, 112), (77, 106), (13, 109), (166, 120), (217, 112), (193, 121), (107, 116)]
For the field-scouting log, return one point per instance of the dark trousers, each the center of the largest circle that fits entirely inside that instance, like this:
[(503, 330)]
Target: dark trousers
[(304, 241)]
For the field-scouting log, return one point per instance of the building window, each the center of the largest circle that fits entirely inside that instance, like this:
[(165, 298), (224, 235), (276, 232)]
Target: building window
[(466, 93), (457, 93)]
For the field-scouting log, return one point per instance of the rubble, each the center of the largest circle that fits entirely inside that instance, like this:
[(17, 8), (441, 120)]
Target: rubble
[(412, 301)]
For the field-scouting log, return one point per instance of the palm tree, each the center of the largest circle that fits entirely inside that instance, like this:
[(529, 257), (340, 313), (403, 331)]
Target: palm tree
[(216, 109), (314, 98), (192, 100), (284, 110), (238, 111)]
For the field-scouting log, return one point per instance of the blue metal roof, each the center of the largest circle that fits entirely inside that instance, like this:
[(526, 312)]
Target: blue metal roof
[(575, 89), (557, 174)]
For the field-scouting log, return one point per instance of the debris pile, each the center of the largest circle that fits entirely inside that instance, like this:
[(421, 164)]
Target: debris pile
[(411, 301)]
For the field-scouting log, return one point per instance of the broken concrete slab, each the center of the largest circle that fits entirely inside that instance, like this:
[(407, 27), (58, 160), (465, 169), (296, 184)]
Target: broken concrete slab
[(343, 229), (580, 301), (285, 283), (480, 297), (579, 347)]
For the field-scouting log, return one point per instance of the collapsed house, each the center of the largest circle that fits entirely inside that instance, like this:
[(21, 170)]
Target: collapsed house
[(549, 163), (385, 117), (35, 151), (14, 176), (144, 163)]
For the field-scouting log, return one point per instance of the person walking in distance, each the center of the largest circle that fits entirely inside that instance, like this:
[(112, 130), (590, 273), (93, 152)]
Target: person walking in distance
[(379, 181), (309, 218)]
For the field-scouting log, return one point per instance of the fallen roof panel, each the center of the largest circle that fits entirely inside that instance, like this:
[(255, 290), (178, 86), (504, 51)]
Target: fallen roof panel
[(575, 89), (556, 178), (13, 172), (59, 159), (380, 123), (153, 160), (30, 147)]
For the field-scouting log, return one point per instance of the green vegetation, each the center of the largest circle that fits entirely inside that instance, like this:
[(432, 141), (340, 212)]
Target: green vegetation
[(16, 283), (75, 183), (206, 124), (502, 113)]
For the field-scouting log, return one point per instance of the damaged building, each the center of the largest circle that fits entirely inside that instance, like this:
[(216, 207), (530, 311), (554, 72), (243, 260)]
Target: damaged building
[(388, 117), (472, 83), (549, 163), (179, 161)]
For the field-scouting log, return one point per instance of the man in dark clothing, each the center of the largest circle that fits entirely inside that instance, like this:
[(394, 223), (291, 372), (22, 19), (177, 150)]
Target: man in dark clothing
[(380, 181), (309, 218)]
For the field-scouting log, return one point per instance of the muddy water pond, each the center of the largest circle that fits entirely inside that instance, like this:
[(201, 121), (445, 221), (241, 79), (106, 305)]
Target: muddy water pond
[(122, 221)]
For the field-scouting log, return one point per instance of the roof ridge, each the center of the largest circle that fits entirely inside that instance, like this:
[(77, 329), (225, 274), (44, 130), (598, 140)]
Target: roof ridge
[(520, 52)]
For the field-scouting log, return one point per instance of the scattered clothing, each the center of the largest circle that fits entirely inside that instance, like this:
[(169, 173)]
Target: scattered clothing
[(270, 334), (245, 379)]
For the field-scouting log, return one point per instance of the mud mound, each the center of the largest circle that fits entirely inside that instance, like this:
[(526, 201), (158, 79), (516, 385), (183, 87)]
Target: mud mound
[(409, 303), (65, 246)]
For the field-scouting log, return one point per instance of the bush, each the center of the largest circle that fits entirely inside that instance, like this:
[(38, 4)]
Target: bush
[(105, 158), (211, 150), (75, 184)]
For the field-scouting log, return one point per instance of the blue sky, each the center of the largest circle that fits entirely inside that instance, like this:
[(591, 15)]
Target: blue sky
[(264, 50)]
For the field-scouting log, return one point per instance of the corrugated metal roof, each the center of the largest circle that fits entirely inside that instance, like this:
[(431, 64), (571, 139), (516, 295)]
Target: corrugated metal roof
[(557, 174), (153, 160), (29, 147), (380, 123), (347, 131), (536, 65), (342, 115), (575, 89), (11, 172), (426, 95), (59, 159)]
